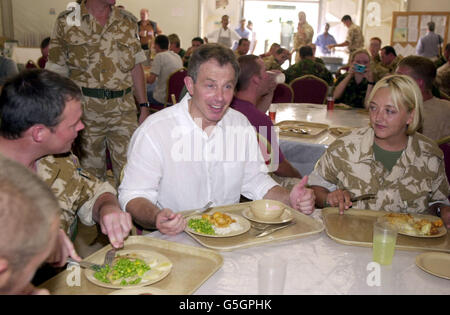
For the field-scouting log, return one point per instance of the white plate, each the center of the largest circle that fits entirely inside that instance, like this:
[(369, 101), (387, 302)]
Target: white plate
[(286, 216), (243, 222), (441, 230), (437, 264), (150, 257)]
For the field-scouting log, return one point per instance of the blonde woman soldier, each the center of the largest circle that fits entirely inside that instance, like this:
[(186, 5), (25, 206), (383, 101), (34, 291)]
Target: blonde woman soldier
[(390, 159)]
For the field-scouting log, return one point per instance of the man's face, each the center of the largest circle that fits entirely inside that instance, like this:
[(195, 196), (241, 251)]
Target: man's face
[(144, 15), (301, 17), (281, 58), (244, 47), (196, 44), (64, 134), (225, 21), (374, 47), (212, 93), (386, 59)]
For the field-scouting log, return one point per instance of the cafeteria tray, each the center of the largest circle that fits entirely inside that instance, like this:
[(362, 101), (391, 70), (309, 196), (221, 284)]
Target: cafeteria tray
[(305, 226), (314, 129), (355, 227), (191, 267)]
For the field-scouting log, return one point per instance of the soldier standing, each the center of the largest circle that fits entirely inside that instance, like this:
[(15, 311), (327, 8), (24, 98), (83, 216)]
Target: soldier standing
[(100, 50), (304, 34)]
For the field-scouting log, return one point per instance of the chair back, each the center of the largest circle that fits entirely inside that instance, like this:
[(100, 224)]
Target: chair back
[(445, 147), (175, 84), (309, 89), (283, 94), (444, 96)]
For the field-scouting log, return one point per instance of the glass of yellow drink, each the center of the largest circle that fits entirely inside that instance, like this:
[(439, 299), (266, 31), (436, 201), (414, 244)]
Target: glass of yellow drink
[(384, 238)]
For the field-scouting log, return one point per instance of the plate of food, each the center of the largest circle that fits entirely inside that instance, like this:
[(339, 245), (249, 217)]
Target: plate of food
[(131, 269), (417, 225), (217, 224)]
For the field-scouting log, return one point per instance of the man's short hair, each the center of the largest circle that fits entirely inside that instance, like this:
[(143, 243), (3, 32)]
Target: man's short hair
[(162, 41), (222, 55), (421, 68), (174, 39), (389, 50), (242, 40), (198, 39), (33, 97), (431, 26), (248, 68), (28, 209), (306, 51), (346, 18), (377, 39)]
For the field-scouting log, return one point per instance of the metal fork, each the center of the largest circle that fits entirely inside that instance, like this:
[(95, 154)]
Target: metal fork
[(109, 257), (206, 208)]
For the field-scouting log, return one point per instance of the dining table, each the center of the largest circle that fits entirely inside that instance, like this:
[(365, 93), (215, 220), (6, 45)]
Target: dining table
[(303, 151), (317, 264)]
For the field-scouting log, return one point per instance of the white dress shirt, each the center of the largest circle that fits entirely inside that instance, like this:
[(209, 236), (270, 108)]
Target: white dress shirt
[(174, 162)]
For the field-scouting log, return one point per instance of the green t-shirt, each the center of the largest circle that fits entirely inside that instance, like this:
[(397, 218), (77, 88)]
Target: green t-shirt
[(387, 158)]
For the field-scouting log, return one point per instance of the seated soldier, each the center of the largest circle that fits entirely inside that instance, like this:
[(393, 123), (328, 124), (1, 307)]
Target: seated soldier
[(242, 48), (307, 65), (404, 169), (41, 140), (275, 61)]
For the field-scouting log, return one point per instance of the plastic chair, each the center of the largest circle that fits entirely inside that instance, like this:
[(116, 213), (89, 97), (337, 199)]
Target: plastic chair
[(309, 89), (283, 94), (175, 84)]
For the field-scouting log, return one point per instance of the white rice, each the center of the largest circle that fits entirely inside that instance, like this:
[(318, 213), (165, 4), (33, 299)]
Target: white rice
[(233, 227)]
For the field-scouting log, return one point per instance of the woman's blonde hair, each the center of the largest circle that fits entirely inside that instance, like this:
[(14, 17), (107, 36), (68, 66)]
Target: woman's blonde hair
[(405, 92)]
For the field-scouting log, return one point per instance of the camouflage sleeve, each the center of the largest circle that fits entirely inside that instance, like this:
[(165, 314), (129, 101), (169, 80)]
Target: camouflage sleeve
[(309, 32), (57, 60), (440, 186), (325, 171)]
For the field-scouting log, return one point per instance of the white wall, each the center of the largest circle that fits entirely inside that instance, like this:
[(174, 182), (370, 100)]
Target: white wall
[(433, 5), (33, 21)]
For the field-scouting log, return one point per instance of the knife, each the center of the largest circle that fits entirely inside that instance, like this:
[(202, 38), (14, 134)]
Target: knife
[(270, 231), (363, 197)]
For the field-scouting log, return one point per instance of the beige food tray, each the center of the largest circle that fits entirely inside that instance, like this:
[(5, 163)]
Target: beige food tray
[(191, 267), (355, 227), (305, 226), (314, 129)]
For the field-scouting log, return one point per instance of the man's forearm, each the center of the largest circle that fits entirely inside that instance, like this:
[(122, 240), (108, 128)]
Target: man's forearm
[(140, 89), (103, 201), (143, 212), (278, 193)]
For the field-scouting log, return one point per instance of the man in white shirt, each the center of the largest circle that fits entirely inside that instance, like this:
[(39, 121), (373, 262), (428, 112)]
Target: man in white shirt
[(165, 63), (224, 36), (199, 150)]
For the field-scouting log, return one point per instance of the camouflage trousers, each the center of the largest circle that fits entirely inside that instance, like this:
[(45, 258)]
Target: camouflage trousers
[(108, 124)]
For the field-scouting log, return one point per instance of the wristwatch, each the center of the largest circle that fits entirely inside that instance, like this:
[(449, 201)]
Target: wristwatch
[(371, 83), (144, 105)]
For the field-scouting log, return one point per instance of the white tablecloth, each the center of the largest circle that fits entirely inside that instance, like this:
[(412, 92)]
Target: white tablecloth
[(318, 265), (303, 153)]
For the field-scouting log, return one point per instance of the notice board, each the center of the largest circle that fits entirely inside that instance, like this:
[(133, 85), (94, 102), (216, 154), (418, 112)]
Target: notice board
[(409, 27)]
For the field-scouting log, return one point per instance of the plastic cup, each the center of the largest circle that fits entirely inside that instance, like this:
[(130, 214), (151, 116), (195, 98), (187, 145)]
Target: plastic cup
[(272, 112), (384, 239), (279, 76), (271, 275)]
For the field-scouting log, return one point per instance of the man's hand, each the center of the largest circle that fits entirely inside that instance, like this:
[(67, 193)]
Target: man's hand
[(302, 198), (63, 249), (168, 222), (339, 198), (116, 224)]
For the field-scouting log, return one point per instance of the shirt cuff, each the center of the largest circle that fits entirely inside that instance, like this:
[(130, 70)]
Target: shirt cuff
[(85, 212)]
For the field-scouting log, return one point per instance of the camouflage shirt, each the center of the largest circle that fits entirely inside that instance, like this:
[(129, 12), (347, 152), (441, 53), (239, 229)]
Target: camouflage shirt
[(416, 180), (354, 38), (300, 41), (354, 93), (96, 56), (271, 64), (307, 66), (76, 190)]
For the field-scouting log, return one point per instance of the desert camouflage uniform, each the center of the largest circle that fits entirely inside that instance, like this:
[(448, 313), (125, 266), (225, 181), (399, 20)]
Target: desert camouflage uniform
[(307, 66), (416, 180), (379, 70), (301, 41), (354, 38), (76, 190), (100, 58), (271, 64)]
